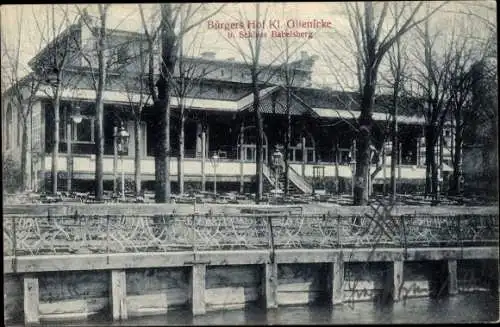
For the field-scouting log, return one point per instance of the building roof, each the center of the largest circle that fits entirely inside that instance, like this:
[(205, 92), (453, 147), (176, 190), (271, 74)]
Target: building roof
[(317, 102)]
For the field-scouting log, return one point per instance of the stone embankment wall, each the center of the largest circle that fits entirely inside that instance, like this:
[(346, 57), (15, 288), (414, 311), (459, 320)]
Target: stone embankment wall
[(80, 294)]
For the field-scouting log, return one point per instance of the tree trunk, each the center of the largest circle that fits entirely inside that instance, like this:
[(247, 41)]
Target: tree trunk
[(363, 144), (137, 158), (168, 56), (163, 161), (260, 137), (394, 151), (429, 159), (55, 149), (24, 155), (337, 162), (180, 161), (434, 178), (99, 114), (431, 166), (288, 137)]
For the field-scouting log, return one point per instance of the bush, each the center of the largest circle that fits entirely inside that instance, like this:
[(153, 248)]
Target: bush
[(12, 175)]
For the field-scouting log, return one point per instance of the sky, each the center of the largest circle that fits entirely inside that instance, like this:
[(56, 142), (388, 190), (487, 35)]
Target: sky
[(26, 21)]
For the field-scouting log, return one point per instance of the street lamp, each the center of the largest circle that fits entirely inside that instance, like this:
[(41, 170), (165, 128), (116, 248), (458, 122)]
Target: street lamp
[(277, 157), (77, 118), (122, 138), (215, 161)]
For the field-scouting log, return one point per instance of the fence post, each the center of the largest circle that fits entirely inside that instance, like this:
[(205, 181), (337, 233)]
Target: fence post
[(14, 245), (107, 238), (403, 238), (339, 231), (270, 275), (459, 236), (193, 237)]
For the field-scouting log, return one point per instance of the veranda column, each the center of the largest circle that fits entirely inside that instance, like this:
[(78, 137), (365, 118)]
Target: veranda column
[(199, 130), (70, 159), (242, 142), (304, 156), (203, 158), (337, 161)]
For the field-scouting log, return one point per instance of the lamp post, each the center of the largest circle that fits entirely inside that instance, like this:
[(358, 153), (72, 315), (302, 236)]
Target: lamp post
[(215, 161), (122, 138), (277, 156), (77, 118), (353, 165), (52, 78)]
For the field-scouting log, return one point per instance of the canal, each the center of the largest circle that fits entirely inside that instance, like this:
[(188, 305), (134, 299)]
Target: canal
[(462, 308)]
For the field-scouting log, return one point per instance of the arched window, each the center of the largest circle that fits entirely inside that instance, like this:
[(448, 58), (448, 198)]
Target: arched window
[(9, 125)]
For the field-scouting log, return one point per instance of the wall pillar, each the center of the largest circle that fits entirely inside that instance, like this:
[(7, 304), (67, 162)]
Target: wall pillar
[(31, 299), (118, 294), (197, 289), (452, 277), (336, 280), (115, 161), (398, 280), (270, 285)]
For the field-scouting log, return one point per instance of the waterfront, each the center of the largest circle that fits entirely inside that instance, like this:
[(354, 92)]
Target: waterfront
[(462, 308)]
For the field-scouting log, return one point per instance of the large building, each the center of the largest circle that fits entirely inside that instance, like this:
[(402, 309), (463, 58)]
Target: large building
[(218, 104)]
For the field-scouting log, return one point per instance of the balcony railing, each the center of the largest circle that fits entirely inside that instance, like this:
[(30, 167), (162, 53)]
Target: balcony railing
[(77, 234)]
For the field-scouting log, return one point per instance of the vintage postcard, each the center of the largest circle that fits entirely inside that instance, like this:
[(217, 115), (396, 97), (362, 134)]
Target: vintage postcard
[(250, 163)]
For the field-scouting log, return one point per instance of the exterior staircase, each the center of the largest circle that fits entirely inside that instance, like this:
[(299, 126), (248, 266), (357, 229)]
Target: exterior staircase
[(297, 185)]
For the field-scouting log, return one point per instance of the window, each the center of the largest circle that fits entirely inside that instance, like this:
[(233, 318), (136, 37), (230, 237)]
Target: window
[(222, 72), (84, 131), (122, 54)]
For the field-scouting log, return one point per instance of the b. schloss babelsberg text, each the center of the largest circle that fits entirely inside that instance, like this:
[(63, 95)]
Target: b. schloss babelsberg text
[(270, 28)]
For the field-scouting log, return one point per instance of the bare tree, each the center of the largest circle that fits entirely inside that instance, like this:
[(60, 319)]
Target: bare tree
[(373, 40), (287, 78), (465, 75), (99, 32), (398, 66), (23, 89), (443, 79), (134, 80), (51, 64), (186, 83), (251, 51), (170, 34)]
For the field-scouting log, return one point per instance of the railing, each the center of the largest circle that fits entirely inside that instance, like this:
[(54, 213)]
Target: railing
[(77, 234)]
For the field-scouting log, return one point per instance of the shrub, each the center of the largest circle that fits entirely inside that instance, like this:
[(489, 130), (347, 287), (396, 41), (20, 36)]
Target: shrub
[(12, 176)]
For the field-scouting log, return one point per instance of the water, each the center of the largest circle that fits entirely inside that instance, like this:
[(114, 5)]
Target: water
[(463, 308)]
